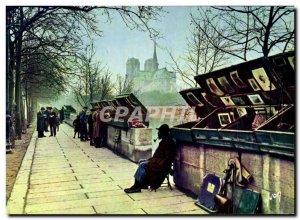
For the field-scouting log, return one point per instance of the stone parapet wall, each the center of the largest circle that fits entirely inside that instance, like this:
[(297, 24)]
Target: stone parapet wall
[(134, 143), (273, 175)]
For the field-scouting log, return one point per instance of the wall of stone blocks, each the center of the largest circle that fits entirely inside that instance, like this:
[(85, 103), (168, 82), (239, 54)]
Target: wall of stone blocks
[(135, 143), (273, 176)]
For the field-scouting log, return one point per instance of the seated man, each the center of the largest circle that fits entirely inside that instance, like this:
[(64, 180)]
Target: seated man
[(153, 171)]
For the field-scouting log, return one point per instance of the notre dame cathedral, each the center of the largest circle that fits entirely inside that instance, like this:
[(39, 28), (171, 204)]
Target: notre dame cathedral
[(152, 77)]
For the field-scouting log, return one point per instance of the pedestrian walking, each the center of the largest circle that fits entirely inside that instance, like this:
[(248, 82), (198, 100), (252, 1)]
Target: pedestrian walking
[(96, 119), (41, 123), (52, 122), (83, 124), (46, 117), (76, 124), (91, 127), (100, 128)]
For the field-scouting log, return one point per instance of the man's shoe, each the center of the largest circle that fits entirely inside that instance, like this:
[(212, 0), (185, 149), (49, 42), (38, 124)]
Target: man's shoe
[(132, 190)]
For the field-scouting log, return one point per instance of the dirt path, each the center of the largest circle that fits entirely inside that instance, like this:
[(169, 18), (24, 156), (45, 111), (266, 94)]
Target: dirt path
[(14, 160)]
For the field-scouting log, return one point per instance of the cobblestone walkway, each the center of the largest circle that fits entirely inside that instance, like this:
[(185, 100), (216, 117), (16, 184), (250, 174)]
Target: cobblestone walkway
[(61, 175)]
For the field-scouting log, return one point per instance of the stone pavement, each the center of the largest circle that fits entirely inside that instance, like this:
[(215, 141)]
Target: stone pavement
[(62, 175)]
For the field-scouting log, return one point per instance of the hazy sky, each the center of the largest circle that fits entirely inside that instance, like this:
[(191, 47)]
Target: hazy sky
[(120, 43)]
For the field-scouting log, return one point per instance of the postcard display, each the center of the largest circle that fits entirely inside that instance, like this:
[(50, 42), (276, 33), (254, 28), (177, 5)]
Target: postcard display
[(245, 111), (133, 143)]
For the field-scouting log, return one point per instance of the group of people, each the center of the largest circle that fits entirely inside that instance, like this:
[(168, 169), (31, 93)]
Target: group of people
[(48, 118), (91, 127)]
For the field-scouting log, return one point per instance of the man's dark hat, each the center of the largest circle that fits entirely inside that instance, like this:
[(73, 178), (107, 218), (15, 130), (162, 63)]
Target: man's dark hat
[(42, 108), (93, 109), (49, 108), (85, 107), (164, 128)]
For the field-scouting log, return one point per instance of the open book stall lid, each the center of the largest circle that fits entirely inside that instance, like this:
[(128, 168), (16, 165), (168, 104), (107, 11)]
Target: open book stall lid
[(127, 100), (263, 79), (261, 90)]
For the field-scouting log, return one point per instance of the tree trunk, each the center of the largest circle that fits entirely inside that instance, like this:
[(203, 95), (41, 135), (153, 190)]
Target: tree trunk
[(34, 107), (22, 113), (9, 81), (28, 106), (18, 79)]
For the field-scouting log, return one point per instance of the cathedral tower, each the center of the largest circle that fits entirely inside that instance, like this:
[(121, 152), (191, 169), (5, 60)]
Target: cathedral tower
[(132, 68), (151, 65)]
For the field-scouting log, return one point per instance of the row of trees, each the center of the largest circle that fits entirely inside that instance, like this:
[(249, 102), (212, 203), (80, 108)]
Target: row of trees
[(45, 51), (220, 34)]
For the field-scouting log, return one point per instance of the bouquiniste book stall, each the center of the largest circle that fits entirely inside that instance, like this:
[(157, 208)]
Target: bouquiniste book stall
[(245, 111), (122, 136)]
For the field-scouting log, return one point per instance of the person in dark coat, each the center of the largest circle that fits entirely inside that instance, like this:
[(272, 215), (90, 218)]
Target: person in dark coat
[(83, 124), (76, 124), (40, 123), (91, 127), (52, 122), (46, 119), (153, 171), (100, 129), (62, 115)]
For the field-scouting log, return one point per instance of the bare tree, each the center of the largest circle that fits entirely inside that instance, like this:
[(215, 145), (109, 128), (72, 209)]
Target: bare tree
[(124, 85), (249, 30), (88, 70), (200, 57), (93, 80), (105, 86)]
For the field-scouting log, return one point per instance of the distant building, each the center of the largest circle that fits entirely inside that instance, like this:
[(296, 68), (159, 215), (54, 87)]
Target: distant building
[(151, 78)]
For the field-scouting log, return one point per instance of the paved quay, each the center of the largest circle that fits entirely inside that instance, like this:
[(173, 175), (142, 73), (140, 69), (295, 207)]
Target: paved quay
[(62, 175)]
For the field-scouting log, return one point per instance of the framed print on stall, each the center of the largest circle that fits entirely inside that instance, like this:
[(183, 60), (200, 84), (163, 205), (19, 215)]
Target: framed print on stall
[(224, 119), (225, 84), (254, 84), (256, 99), (213, 87), (227, 100), (241, 111), (263, 80), (237, 80), (194, 99)]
